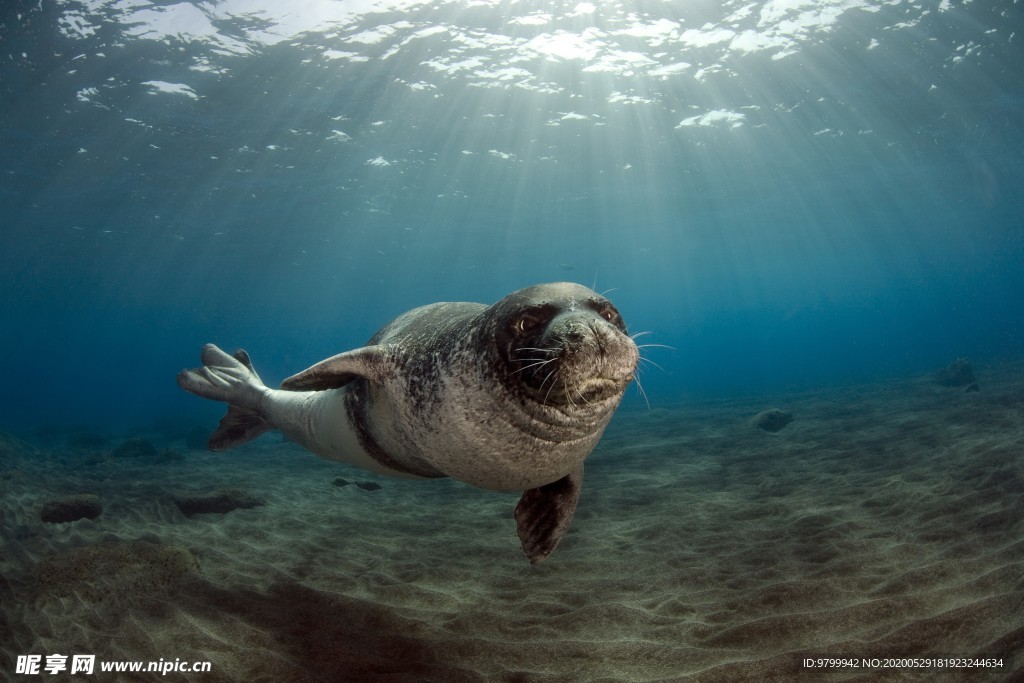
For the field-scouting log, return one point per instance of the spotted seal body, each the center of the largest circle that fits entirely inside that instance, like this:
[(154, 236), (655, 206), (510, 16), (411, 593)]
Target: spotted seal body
[(512, 396)]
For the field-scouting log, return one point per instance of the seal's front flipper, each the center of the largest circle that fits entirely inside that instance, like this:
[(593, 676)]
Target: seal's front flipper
[(369, 362), (543, 514), (232, 379)]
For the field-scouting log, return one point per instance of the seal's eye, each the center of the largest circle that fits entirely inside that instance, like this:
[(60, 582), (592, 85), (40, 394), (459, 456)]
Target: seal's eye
[(526, 324), (609, 314)]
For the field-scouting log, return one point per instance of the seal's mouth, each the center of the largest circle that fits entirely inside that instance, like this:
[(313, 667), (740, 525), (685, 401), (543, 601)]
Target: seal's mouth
[(586, 391)]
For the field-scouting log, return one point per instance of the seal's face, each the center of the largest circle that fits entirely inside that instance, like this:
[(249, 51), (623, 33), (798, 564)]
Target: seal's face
[(563, 345)]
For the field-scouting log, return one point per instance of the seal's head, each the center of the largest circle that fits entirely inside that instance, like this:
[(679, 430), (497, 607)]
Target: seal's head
[(563, 345)]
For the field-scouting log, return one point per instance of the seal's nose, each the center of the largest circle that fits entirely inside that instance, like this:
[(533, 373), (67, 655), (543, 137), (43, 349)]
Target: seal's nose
[(576, 332)]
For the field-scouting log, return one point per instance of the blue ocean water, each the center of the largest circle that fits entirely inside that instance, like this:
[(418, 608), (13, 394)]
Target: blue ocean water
[(789, 193)]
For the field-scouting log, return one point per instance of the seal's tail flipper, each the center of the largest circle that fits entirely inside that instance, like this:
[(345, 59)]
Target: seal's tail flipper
[(232, 379)]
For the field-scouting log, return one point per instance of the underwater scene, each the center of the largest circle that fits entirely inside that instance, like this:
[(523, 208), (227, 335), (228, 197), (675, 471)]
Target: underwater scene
[(512, 341)]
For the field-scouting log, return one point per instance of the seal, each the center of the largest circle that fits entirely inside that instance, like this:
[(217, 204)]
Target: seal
[(509, 397)]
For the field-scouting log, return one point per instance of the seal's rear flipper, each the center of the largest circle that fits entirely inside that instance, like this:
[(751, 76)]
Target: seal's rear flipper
[(543, 514), (237, 427), (232, 379)]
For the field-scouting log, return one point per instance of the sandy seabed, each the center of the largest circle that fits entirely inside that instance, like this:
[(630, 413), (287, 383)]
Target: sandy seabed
[(885, 522)]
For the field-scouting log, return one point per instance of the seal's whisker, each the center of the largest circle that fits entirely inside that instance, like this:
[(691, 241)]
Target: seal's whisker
[(537, 359), (538, 363), (555, 373), (655, 346), (651, 362), (643, 394), (568, 393), (640, 334), (534, 348)]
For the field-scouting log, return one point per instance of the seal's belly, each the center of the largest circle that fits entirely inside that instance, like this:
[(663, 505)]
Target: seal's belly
[(475, 441)]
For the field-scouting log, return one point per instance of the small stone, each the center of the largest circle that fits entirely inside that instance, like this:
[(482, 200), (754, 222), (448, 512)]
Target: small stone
[(71, 509), (368, 486), (340, 481), (220, 502), (772, 420)]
